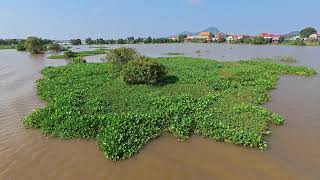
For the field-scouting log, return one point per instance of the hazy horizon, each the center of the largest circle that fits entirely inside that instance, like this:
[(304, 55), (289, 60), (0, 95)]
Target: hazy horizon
[(141, 18)]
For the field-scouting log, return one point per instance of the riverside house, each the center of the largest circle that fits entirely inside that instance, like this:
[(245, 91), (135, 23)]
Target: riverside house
[(232, 38), (314, 37), (270, 38), (295, 38), (203, 36)]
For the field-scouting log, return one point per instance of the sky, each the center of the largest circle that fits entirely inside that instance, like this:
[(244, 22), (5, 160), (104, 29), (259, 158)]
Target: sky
[(66, 19)]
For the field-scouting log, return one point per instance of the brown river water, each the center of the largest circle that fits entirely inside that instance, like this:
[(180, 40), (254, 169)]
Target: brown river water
[(293, 153)]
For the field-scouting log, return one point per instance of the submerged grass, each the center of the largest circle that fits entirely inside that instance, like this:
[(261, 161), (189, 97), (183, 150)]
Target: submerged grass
[(81, 54), (7, 47), (173, 53), (218, 100), (278, 59)]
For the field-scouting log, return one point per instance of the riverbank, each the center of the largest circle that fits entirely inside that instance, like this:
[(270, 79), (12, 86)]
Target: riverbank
[(80, 54), (216, 100), (7, 47)]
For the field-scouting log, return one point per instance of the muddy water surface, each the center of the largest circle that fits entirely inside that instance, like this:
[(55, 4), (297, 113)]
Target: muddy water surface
[(293, 151)]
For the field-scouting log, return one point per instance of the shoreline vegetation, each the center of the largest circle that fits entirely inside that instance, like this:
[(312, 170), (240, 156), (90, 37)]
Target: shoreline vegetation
[(173, 53), (7, 47), (218, 100), (79, 54), (306, 37), (278, 59), (251, 40)]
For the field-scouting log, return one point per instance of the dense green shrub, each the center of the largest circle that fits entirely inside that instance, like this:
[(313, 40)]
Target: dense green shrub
[(75, 42), (259, 40), (21, 46), (78, 60), (121, 56), (143, 71), (218, 100), (69, 54), (298, 42), (35, 45), (54, 47)]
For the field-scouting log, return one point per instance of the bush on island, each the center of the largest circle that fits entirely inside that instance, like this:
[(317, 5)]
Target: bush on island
[(143, 70), (78, 60), (54, 47), (121, 56), (69, 54), (21, 46)]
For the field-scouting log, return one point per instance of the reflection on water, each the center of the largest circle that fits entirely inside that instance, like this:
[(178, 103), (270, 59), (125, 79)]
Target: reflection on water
[(293, 152)]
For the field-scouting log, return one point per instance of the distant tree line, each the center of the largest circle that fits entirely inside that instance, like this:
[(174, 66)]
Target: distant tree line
[(133, 40), (36, 45), (75, 42), (9, 41)]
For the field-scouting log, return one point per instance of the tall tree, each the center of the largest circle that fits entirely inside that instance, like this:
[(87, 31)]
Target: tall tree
[(305, 33), (75, 41), (35, 45)]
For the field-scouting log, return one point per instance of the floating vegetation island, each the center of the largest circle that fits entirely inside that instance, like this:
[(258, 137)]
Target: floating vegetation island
[(218, 100)]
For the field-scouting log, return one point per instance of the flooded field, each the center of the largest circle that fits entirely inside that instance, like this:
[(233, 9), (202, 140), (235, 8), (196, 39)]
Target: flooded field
[(293, 151)]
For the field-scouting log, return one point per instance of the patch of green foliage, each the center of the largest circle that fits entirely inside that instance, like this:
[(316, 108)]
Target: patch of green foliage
[(218, 100), (78, 54)]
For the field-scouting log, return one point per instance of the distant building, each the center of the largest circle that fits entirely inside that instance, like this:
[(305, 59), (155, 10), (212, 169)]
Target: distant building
[(314, 37), (207, 35), (232, 38), (236, 37), (203, 36), (295, 38), (270, 38), (175, 38), (218, 36)]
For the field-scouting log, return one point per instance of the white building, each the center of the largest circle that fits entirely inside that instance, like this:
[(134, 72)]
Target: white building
[(295, 38), (314, 37)]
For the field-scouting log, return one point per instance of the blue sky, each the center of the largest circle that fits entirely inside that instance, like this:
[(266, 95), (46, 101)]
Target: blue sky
[(65, 19)]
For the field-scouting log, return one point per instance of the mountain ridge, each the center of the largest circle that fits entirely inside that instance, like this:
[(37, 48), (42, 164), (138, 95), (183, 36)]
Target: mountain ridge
[(213, 30)]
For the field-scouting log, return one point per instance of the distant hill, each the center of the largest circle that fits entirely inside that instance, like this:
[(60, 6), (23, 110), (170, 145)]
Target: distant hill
[(186, 33), (213, 30), (293, 33)]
